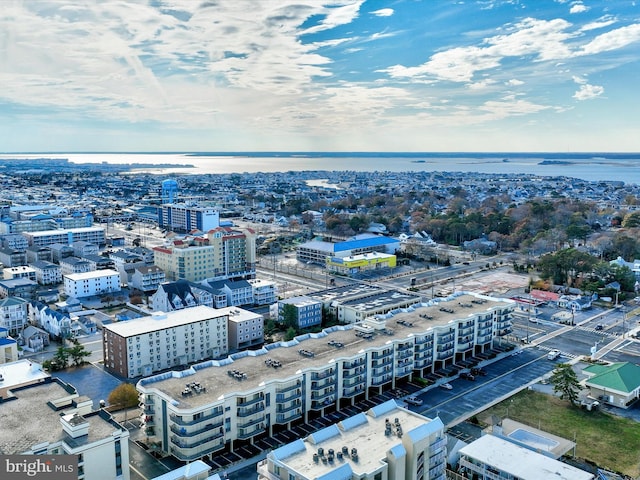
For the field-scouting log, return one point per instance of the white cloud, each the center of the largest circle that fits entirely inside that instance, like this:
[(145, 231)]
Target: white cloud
[(383, 12), (602, 23), (514, 82), (587, 92), (481, 85), (579, 80), (613, 40), (578, 7)]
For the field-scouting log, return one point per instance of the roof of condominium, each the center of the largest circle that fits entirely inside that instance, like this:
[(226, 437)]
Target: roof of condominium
[(326, 347), (364, 433), (161, 320)]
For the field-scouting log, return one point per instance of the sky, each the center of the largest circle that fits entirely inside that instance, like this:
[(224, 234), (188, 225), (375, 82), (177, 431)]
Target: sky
[(320, 75)]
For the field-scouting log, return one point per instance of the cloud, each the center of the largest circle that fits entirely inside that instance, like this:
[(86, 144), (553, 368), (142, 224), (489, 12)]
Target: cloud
[(578, 7), (514, 82), (383, 12), (588, 92), (579, 80), (613, 40)]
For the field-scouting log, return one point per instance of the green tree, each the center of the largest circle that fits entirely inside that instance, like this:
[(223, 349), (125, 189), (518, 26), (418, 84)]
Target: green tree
[(77, 352), (124, 395), (291, 333), (61, 358), (290, 316), (565, 382)]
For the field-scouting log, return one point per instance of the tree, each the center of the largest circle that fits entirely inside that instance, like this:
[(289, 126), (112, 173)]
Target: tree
[(124, 395), (565, 382), (77, 352), (289, 316), (291, 334), (61, 358)]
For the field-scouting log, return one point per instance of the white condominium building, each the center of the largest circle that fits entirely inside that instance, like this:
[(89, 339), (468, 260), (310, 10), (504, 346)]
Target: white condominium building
[(196, 412), (387, 442), (87, 284)]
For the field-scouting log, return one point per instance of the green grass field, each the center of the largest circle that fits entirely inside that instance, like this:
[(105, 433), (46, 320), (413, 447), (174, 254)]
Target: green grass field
[(609, 441)]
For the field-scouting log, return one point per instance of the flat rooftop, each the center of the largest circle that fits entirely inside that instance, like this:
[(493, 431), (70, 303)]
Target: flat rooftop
[(77, 277), (519, 461), (31, 416), (161, 320), (213, 374), (364, 432)]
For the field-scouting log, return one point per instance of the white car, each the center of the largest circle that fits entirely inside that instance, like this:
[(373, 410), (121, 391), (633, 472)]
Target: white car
[(412, 400), (446, 386)]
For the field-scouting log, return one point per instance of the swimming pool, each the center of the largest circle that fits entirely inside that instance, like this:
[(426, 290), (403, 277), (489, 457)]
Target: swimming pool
[(533, 439)]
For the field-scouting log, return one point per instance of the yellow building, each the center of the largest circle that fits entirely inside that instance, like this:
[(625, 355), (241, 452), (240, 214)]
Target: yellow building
[(358, 264)]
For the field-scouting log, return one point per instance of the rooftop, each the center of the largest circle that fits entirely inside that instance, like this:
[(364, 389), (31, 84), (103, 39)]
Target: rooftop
[(363, 432), (161, 320), (18, 416), (519, 461), (76, 277), (215, 373)]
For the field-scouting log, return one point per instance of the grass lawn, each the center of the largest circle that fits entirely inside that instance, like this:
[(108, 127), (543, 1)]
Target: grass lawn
[(609, 441)]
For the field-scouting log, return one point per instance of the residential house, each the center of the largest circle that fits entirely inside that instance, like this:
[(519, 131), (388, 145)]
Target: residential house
[(11, 273), (39, 254), (74, 265), (82, 249), (18, 287), (616, 384), (12, 257), (13, 314), (60, 251), (8, 349), (34, 339), (181, 294), (47, 273)]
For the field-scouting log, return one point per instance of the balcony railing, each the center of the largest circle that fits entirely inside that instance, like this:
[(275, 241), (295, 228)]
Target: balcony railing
[(251, 401), (179, 421), (286, 389), (282, 398), (195, 454), (288, 417), (246, 412), (252, 422), (183, 432)]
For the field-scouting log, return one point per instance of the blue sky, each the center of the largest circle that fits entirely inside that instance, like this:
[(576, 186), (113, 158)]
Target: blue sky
[(319, 75)]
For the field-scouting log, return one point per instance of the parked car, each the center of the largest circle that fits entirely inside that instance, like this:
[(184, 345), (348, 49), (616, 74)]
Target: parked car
[(446, 386), (467, 376), (413, 400), (599, 327), (478, 371)]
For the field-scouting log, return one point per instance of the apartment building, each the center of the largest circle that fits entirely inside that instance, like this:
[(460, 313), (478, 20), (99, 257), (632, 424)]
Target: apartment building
[(11, 273), (182, 217), (246, 329), (13, 257), (95, 235), (196, 412), (181, 294), (8, 348), (147, 278), (47, 273), (354, 302), (308, 312), (53, 419), (164, 340), (80, 285), (385, 442), (14, 312), (38, 254), (264, 291)]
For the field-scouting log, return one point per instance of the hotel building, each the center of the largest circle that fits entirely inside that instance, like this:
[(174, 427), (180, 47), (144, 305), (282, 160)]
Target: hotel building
[(196, 412), (67, 236)]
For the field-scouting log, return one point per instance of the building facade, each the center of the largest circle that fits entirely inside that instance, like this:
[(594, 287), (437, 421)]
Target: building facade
[(387, 442), (196, 412), (185, 218), (80, 285), (308, 312), (95, 235), (164, 340), (14, 312)]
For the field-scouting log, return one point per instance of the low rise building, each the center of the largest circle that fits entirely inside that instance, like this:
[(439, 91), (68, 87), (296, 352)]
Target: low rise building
[(386, 442), (53, 418), (147, 278), (246, 329), (14, 313), (67, 236), (358, 265), (491, 457), (80, 285), (8, 348), (308, 312), (616, 384), (47, 273), (73, 265), (11, 273)]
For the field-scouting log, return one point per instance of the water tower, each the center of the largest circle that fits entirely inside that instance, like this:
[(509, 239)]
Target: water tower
[(169, 190)]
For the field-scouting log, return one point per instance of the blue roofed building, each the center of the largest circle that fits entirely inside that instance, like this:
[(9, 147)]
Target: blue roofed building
[(387, 442), (317, 251)]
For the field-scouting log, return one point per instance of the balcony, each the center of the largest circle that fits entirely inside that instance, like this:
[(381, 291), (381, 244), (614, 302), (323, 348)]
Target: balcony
[(449, 337), (381, 355), (321, 395), (190, 454), (405, 354), (353, 364), (426, 362), (382, 362), (250, 423), (288, 417), (318, 405), (381, 380), (252, 433), (247, 402), (180, 421), (322, 375), (352, 373), (247, 412), (282, 398), (438, 444), (484, 339), (404, 371), (190, 445), (353, 391), (282, 390), (356, 381), (329, 382), (184, 433), (283, 408)]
